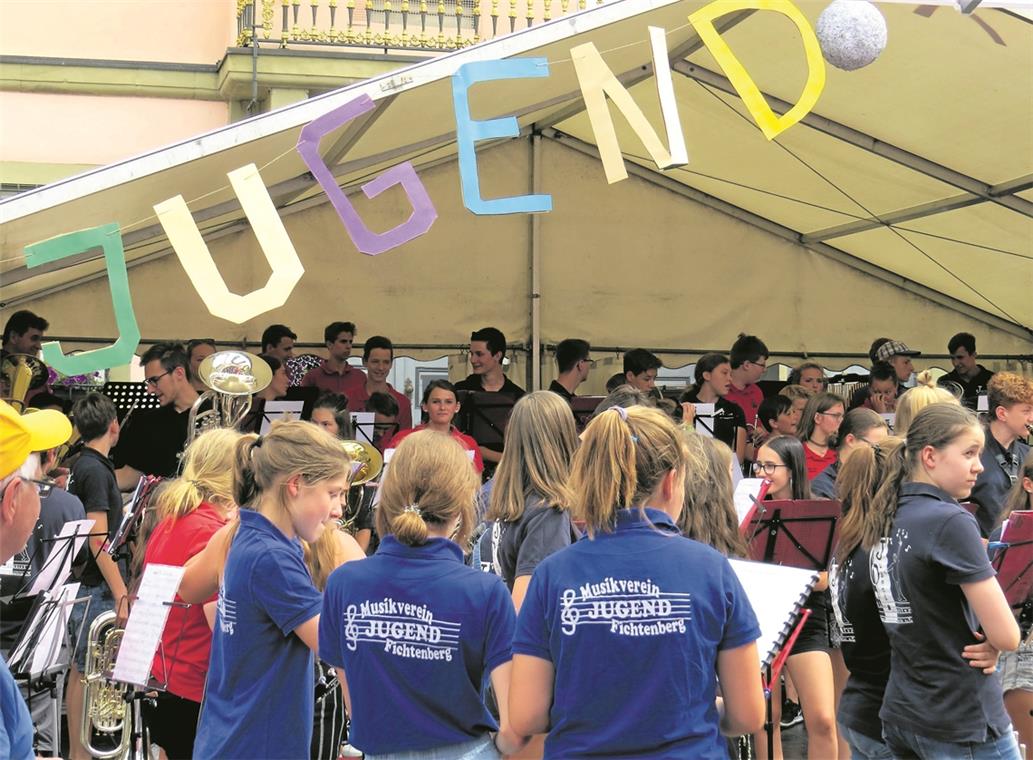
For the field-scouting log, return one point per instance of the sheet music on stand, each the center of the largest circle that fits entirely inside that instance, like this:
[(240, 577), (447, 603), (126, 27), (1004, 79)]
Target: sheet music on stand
[(38, 648), (362, 423), (146, 623), (704, 420), (747, 492), (777, 593), (67, 545), (273, 411), (132, 515)]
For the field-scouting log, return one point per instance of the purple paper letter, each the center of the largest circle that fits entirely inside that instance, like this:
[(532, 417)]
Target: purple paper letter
[(372, 243)]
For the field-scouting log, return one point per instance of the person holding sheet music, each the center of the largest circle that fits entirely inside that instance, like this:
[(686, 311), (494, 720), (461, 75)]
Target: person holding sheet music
[(818, 426), (20, 487), (93, 480), (258, 699), (1016, 667), (856, 625), (378, 354), (713, 376), (781, 461), (861, 427), (633, 576), (413, 631), (190, 509), (935, 591), (574, 362), (487, 352), (440, 406), (1010, 416)]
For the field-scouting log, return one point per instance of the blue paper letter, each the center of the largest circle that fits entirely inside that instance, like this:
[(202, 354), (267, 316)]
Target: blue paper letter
[(469, 131)]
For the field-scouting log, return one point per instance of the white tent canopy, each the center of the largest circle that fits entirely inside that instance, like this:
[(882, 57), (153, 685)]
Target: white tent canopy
[(902, 205)]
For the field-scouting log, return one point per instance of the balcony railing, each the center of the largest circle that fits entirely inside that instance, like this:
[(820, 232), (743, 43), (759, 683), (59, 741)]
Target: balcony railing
[(433, 25)]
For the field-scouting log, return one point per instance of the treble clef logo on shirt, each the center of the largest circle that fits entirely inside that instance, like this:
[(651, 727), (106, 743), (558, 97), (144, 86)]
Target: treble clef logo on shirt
[(351, 630), (569, 614)]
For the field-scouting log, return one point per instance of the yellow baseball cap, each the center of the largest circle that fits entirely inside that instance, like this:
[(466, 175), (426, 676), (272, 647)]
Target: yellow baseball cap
[(20, 435)]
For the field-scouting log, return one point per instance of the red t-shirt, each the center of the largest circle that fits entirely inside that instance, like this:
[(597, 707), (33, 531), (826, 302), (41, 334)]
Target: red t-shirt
[(187, 640), (357, 398), (815, 463), (748, 399), (327, 380), (465, 441)]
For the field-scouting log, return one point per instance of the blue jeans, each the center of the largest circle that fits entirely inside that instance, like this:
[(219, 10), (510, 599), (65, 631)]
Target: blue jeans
[(907, 744), (475, 749), (80, 618), (864, 747)]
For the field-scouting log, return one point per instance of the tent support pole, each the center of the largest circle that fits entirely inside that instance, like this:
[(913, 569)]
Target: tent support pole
[(536, 267)]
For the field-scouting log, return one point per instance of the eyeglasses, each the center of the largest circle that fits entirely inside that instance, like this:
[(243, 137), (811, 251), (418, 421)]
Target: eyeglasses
[(762, 365), (43, 487), (835, 416), (768, 468), (154, 380)]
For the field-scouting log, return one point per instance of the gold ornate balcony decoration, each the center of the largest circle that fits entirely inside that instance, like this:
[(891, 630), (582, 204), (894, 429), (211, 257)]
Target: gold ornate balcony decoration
[(427, 25)]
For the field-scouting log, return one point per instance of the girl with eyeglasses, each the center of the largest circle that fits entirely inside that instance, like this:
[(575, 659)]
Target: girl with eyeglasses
[(782, 462), (818, 427)]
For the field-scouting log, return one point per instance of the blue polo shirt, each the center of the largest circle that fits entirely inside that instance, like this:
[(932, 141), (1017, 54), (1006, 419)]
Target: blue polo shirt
[(258, 699), (632, 622), (416, 631), (15, 724), (917, 572)]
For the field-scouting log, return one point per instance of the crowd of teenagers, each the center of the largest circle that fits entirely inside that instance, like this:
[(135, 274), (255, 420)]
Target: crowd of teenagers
[(565, 594)]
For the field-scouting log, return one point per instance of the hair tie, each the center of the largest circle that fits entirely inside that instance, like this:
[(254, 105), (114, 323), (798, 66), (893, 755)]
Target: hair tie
[(258, 443), (621, 412), (414, 509)]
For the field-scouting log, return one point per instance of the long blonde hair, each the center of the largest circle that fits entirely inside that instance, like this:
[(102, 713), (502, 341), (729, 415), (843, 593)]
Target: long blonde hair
[(322, 556), (709, 514), (207, 475), (430, 480), (623, 457), (540, 441), (914, 400)]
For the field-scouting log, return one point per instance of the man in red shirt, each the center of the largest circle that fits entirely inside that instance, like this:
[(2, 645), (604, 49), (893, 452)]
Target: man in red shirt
[(749, 360), (334, 373), (378, 354)]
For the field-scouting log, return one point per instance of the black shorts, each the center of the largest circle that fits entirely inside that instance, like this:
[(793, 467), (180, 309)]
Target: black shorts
[(172, 722), (815, 634)]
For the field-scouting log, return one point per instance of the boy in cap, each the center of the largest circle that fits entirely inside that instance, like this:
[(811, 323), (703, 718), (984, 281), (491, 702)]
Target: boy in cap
[(20, 438), (897, 354)]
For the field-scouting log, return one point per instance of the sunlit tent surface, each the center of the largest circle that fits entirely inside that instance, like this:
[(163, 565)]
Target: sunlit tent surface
[(902, 205)]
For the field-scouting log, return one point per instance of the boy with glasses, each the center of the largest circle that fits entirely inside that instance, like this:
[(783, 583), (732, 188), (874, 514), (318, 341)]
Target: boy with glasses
[(574, 363), (749, 360)]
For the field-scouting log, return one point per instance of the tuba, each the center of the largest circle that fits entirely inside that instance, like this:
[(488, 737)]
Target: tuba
[(20, 374), (106, 714), (232, 377)]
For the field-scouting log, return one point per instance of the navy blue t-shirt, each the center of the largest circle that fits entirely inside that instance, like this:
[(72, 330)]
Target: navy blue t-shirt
[(933, 547), (857, 629), (15, 724), (632, 622), (258, 698), (416, 631)]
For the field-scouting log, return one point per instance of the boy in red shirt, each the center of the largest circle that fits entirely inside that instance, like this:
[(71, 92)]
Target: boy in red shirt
[(749, 360)]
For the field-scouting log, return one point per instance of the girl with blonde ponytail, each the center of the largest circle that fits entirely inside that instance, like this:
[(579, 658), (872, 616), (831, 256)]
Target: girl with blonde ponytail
[(412, 630), (634, 609), (258, 699), (190, 509)]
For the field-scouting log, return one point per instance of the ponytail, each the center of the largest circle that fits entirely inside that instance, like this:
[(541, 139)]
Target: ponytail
[(623, 457), (868, 485), (208, 475)]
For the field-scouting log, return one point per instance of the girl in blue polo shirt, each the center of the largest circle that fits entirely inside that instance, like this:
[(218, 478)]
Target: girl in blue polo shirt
[(258, 699), (934, 589), (623, 635), (412, 630)]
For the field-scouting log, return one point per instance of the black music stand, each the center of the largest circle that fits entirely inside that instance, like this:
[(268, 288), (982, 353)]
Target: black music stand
[(483, 415), (1014, 559), (584, 408), (795, 533)]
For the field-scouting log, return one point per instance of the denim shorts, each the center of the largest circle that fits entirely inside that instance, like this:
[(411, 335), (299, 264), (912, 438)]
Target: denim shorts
[(864, 747), (475, 749), (906, 744), (81, 618), (1016, 669)]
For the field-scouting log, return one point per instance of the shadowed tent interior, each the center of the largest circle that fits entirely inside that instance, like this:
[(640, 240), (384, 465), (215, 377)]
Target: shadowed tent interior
[(902, 205)]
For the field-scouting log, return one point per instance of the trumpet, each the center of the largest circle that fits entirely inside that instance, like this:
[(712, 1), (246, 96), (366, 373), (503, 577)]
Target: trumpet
[(106, 714), (232, 377)]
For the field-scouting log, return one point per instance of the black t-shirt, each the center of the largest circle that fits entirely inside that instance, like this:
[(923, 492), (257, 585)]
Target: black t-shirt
[(93, 480), (55, 510), (994, 482), (556, 387), (824, 484), (474, 383), (516, 548), (932, 549), (153, 441), (729, 418), (857, 629), (972, 389)]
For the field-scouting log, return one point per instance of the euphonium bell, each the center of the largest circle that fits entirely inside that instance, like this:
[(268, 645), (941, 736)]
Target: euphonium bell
[(21, 373), (106, 718), (233, 377), (367, 462)]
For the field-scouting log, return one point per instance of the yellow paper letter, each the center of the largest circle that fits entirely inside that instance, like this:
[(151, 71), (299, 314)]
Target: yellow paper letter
[(770, 124), (197, 260), (597, 81)]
